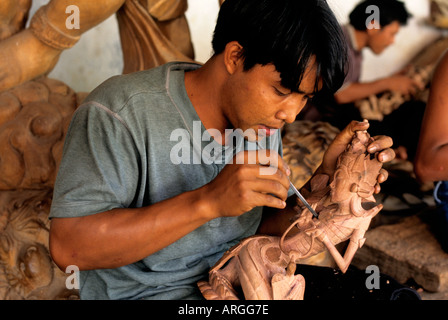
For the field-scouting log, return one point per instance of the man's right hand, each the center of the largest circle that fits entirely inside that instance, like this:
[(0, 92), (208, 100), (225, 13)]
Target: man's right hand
[(253, 179)]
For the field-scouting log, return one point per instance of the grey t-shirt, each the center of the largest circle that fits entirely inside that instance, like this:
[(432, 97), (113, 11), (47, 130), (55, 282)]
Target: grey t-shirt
[(135, 141)]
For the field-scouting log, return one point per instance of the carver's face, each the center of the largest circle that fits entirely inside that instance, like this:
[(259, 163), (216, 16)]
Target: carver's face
[(256, 99), (380, 39)]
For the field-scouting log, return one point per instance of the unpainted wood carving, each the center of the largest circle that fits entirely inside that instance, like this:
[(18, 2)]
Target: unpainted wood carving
[(34, 118), (26, 269), (264, 267), (152, 32)]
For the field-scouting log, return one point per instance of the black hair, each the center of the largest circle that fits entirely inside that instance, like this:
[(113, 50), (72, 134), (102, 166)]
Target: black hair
[(389, 10), (288, 34)]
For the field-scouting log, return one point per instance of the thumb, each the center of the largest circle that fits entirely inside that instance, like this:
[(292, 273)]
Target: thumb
[(346, 135)]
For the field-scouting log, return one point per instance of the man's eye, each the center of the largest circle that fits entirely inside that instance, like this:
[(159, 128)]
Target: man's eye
[(307, 98), (280, 93)]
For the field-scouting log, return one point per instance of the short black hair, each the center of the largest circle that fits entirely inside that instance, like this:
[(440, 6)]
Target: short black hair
[(288, 34), (389, 10)]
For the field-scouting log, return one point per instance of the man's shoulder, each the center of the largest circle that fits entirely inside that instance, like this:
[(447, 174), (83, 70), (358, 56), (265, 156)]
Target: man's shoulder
[(117, 90)]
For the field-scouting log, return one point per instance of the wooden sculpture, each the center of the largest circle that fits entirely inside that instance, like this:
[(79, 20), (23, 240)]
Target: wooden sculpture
[(375, 107), (264, 266), (304, 145), (439, 13), (420, 68), (34, 118), (152, 32), (26, 269), (35, 112)]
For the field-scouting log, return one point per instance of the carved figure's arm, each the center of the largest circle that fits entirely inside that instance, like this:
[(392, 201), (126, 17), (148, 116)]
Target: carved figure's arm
[(35, 51)]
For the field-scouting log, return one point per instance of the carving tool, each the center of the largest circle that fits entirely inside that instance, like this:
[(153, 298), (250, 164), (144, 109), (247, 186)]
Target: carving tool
[(298, 194)]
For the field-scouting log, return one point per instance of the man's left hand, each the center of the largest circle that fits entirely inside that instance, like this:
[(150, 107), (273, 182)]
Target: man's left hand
[(381, 144)]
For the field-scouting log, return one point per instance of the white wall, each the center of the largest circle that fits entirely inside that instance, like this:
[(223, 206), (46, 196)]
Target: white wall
[(97, 56), (409, 41)]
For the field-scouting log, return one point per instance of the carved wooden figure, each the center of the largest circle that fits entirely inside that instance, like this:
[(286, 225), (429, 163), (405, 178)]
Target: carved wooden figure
[(35, 112), (264, 266), (152, 32), (26, 269)]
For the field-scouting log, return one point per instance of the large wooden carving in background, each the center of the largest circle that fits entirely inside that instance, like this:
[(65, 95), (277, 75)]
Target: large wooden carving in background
[(152, 32)]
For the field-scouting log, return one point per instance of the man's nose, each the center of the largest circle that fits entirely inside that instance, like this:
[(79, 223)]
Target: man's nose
[(291, 109)]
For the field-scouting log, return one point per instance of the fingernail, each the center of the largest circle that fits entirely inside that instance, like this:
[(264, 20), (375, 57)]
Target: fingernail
[(372, 149), (288, 171)]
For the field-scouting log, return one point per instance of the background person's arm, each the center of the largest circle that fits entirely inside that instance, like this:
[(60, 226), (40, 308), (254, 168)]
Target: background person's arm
[(359, 90)]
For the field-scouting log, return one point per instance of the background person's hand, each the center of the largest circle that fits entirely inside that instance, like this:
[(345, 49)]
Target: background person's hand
[(403, 85)]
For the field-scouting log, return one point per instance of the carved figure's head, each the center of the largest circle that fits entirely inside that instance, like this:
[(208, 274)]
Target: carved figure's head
[(357, 171), (26, 269)]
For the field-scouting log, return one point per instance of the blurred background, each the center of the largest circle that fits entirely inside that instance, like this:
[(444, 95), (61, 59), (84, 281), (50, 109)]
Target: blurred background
[(97, 56)]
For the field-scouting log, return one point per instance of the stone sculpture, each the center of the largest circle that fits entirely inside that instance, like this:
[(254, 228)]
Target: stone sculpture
[(264, 266)]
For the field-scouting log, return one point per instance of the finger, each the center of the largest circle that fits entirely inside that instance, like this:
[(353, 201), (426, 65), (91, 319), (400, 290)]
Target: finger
[(377, 188), (386, 155), (273, 174), (271, 187), (346, 135), (380, 143), (382, 176), (263, 179), (273, 159), (267, 200), (264, 157)]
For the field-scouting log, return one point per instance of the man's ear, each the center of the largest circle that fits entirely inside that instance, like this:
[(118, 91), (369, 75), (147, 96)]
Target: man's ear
[(233, 56)]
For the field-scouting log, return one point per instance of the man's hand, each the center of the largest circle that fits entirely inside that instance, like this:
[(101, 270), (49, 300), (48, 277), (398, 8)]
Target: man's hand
[(253, 179), (381, 144), (403, 84)]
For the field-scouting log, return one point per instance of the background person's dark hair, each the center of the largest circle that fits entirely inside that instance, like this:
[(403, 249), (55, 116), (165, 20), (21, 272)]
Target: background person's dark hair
[(389, 10), (288, 34)]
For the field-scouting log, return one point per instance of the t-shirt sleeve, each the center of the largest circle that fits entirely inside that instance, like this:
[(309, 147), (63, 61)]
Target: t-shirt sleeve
[(99, 166)]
